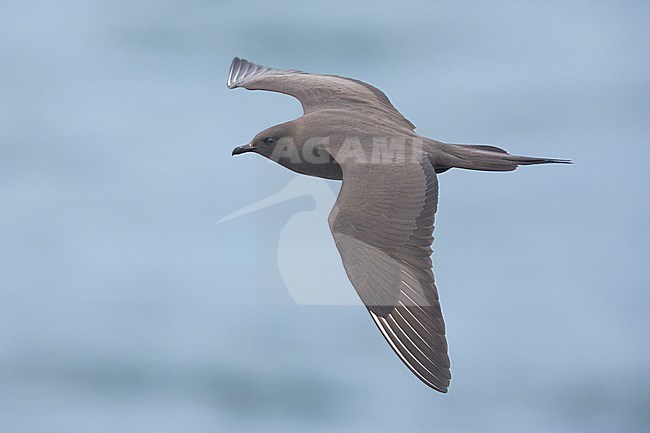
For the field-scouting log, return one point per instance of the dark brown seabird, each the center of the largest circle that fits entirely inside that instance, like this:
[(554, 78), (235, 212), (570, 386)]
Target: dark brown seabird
[(382, 221)]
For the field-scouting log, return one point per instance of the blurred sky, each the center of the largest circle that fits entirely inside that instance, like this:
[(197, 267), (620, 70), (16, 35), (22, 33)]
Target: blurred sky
[(125, 308)]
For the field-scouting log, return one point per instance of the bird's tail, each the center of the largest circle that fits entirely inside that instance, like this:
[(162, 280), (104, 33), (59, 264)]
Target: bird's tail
[(485, 158)]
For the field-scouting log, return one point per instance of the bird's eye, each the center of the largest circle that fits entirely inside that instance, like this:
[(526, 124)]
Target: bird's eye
[(269, 140)]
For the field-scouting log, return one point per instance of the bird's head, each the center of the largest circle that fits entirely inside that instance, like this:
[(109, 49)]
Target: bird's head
[(278, 137)]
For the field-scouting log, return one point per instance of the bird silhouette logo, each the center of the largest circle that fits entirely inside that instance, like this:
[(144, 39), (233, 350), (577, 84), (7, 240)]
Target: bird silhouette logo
[(306, 255)]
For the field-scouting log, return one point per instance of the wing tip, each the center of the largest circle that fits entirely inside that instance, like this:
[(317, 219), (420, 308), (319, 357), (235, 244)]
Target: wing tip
[(236, 66), (241, 70), (433, 381)]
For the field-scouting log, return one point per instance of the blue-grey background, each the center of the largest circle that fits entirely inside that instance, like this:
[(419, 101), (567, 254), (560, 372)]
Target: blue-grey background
[(125, 308)]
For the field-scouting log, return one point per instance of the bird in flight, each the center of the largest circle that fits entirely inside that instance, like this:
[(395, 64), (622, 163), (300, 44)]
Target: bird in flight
[(382, 221)]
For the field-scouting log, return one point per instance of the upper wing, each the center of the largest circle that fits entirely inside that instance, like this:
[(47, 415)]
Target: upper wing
[(382, 224), (315, 92)]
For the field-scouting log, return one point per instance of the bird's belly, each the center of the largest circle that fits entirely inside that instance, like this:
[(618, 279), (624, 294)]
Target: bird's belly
[(326, 170)]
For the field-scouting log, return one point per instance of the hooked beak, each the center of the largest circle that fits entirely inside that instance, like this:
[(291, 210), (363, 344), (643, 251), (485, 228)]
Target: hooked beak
[(243, 149)]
